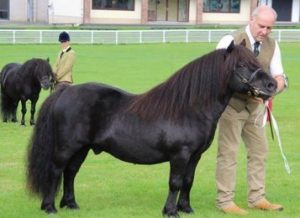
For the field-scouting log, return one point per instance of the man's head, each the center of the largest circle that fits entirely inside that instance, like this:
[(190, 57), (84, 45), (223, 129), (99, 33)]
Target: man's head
[(64, 39), (262, 21)]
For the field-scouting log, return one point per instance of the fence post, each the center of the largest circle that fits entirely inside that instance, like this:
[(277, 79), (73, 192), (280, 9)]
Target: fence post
[(117, 35), (141, 37), (92, 37), (187, 36), (209, 36), (14, 37), (279, 35), (41, 37), (164, 36)]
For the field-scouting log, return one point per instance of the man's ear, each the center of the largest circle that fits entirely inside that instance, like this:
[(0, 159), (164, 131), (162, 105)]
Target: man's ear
[(230, 47), (243, 42)]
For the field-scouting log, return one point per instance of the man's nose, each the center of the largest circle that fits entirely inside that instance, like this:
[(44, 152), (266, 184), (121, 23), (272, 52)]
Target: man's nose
[(265, 31)]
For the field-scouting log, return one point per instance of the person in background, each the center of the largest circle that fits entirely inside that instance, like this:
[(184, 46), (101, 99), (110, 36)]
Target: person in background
[(63, 67), (241, 118)]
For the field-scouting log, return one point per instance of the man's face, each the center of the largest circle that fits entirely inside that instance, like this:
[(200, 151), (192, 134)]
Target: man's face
[(64, 45), (261, 26)]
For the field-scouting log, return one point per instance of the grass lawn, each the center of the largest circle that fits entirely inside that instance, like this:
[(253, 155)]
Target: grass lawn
[(106, 187)]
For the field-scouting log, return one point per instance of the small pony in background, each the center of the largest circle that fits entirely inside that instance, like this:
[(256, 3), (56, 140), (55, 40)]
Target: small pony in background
[(22, 82)]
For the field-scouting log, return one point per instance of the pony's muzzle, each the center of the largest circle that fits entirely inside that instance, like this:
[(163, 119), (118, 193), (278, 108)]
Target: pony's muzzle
[(45, 85)]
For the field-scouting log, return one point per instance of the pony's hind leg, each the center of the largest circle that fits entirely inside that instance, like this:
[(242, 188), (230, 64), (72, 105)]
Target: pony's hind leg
[(184, 196), (5, 118), (48, 202), (59, 163), (70, 172), (14, 113)]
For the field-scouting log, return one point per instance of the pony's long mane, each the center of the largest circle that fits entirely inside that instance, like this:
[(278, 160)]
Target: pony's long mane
[(197, 84)]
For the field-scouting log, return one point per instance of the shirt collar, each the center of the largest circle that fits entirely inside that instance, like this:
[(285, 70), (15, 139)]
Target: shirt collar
[(64, 50), (250, 37)]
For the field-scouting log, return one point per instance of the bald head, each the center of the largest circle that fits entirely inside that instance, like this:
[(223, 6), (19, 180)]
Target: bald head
[(262, 21), (264, 10)]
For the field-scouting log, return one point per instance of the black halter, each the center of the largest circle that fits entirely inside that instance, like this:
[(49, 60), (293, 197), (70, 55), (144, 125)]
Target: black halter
[(254, 91)]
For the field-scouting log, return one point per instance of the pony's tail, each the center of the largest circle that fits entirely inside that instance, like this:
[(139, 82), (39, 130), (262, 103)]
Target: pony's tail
[(8, 107), (40, 175)]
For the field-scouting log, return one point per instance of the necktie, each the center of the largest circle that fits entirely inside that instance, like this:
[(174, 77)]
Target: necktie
[(61, 54), (256, 50)]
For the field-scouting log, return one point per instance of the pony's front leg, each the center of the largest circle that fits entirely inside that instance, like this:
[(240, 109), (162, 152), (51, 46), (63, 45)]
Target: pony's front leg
[(184, 197), (32, 111), (178, 165), (70, 172), (23, 110)]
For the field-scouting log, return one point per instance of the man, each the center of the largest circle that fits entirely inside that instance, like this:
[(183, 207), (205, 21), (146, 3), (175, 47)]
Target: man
[(65, 61), (242, 117)]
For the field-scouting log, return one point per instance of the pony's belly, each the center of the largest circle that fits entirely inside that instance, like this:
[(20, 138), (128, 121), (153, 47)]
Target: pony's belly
[(138, 153)]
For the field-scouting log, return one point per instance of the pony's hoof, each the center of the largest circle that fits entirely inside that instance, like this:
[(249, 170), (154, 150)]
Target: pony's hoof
[(185, 209), (69, 204), (49, 209), (170, 213)]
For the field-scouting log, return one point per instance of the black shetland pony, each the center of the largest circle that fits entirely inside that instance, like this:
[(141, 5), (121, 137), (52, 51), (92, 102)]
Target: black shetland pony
[(22, 82), (174, 121)]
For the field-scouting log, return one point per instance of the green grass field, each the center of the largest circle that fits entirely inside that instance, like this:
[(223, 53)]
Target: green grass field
[(106, 187)]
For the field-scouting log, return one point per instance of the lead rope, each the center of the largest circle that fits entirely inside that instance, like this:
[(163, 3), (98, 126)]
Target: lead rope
[(275, 129)]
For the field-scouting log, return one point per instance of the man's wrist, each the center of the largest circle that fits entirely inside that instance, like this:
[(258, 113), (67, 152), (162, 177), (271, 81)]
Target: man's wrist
[(282, 83)]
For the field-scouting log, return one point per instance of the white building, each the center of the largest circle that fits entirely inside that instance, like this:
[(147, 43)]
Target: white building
[(141, 11)]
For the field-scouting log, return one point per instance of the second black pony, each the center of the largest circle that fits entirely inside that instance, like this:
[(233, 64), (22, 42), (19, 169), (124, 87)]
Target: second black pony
[(22, 82), (175, 121)]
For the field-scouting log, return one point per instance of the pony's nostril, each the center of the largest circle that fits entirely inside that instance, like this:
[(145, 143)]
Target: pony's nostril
[(272, 86)]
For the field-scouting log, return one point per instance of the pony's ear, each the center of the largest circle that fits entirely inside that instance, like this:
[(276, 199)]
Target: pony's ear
[(243, 42), (230, 47), (48, 59)]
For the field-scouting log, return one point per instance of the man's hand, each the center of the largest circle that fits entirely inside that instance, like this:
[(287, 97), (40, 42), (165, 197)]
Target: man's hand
[(257, 100), (281, 83)]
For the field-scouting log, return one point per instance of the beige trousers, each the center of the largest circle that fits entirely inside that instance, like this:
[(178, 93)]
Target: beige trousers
[(234, 126)]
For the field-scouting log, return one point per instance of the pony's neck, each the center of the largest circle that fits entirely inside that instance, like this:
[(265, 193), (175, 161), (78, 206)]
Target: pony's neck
[(216, 108)]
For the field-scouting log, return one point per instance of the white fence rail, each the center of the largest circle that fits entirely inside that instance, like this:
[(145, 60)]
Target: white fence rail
[(130, 36)]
